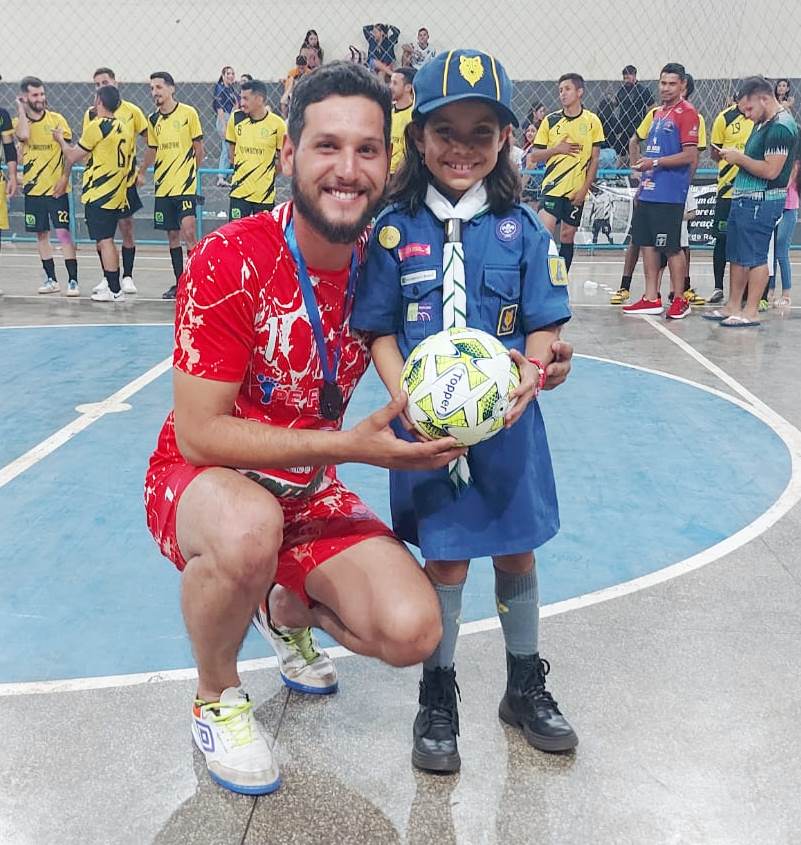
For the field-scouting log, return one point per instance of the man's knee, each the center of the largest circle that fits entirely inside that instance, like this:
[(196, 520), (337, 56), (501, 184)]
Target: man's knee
[(248, 549), (410, 631)]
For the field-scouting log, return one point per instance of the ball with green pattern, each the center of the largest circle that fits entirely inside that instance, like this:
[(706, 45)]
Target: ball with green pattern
[(459, 383)]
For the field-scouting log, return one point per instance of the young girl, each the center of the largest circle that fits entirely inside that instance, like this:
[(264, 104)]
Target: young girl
[(456, 247)]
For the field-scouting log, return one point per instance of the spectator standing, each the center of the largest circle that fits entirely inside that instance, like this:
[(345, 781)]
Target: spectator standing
[(535, 117), (293, 75), (783, 93), (226, 100), (633, 100), (614, 144), (400, 86), (311, 39), (381, 40), (421, 52), (782, 240)]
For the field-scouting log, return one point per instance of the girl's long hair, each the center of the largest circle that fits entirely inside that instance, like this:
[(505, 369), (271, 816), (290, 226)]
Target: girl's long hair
[(410, 183), (221, 80)]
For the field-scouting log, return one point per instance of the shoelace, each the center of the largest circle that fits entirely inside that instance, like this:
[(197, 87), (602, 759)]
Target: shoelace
[(302, 642), (534, 685), (235, 723)]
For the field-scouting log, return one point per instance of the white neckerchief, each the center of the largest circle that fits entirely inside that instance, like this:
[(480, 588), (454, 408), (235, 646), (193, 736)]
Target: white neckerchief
[(454, 291)]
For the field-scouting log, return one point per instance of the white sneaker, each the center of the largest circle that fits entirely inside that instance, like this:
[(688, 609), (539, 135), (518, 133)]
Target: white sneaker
[(101, 285), (50, 286), (237, 754), (128, 285), (108, 296), (72, 288), (304, 666)]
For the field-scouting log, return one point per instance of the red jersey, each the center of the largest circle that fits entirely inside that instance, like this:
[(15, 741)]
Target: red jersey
[(240, 317)]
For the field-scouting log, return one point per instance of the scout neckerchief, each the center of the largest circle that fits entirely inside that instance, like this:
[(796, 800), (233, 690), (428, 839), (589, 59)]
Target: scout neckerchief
[(331, 399), (454, 291)]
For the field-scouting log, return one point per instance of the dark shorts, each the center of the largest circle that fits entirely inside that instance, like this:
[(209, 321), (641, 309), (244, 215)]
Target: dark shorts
[(41, 212), (243, 208), (750, 230), (563, 210), (657, 224), (168, 212), (134, 203), (101, 222), (722, 211)]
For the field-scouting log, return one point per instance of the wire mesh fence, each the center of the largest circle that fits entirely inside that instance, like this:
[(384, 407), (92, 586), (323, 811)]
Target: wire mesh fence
[(718, 42)]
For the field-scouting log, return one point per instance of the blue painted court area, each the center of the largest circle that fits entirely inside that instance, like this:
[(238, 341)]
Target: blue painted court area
[(86, 592)]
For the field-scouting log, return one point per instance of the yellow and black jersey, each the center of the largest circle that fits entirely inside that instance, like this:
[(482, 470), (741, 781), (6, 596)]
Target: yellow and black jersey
[(257, 142), (134, 117), (401, 118), (731, 128), (108, 139), (645, 127), (565, 174), (6, 127), (172, 136), (42, 159)]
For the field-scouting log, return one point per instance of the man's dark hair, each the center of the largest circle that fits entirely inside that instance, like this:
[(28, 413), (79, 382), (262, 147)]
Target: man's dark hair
[(576, 78), (109, 96), (675, 67), (630, 69), (247, 77), (690, 85), (256, 86), (104, 70), (30, 82), (337, 79), (423, 29), (164, 77), (407, 73), (300, 61), (755, 85)]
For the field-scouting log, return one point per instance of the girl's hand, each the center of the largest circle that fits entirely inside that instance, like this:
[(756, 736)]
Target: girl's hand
[(527, 390)]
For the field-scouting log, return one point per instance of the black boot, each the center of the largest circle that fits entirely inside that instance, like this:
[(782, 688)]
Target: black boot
[(528, 705), (437, 723)]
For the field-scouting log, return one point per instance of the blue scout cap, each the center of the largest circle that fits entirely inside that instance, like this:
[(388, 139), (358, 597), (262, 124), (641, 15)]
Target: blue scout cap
[(463, 75)]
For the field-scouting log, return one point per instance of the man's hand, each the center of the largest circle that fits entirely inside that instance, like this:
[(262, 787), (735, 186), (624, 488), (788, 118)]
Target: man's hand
[(526, 391), (58, 134), (140, 177), (643, 165), (578, 197), (374, 442), (557, 371), (61, 187), (567, 147), (732, 156), (11, 185)]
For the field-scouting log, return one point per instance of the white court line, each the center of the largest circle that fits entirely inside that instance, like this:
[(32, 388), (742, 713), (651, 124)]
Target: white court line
[(84, 325), (11, 253), (789, 497), (109, 405)]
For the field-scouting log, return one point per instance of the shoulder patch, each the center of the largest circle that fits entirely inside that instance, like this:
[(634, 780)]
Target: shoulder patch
[(557, 270), (239, 116), (153, 117), (389, 237)]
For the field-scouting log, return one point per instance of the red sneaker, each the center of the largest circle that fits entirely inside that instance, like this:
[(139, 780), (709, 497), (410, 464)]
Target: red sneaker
[(644, 306), (679, 309)]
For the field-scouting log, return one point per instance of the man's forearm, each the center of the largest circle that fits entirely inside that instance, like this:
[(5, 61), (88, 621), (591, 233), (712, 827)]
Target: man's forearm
[(682, 159), (634, 149), (592, 170), (539, 154), (762, 169), (539, 343)]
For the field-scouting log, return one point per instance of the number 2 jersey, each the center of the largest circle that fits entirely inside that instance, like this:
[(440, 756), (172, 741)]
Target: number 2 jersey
[(240, 317)]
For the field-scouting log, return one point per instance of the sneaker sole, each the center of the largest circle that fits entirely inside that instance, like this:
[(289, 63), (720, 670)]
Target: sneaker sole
[(678, 316), (442, 764), (261, 789), (306, 689), (644, 312), (540, 742)]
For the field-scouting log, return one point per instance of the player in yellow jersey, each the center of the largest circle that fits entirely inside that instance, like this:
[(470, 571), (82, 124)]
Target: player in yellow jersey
[(43, 183), (732, 129), (134, 116), (10, 153), (255, 135), (569, 141), (400, 86), (175, 148), (109, 141)]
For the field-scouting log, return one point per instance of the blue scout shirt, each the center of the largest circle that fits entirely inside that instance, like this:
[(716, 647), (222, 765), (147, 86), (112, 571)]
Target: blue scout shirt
[(515, 285)]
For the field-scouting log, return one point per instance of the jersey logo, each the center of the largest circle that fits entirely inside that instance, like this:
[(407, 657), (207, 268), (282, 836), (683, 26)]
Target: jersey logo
[(507, 229), (506, 320), (661, 239), (557, 270), (414, 250), (389, 237), (471, 69)]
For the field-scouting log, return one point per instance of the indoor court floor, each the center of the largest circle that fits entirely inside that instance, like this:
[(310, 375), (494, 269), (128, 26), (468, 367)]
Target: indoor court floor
[(670, 602)]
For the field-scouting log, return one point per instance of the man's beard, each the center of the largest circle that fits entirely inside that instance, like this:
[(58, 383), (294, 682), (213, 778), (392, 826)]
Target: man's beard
[(335, 233)]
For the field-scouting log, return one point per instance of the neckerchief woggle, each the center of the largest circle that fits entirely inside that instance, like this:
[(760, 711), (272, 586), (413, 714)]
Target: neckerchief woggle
[(331, 399)]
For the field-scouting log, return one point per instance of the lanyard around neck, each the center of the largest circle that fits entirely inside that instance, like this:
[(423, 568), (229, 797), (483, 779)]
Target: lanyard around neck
[(328, 366)]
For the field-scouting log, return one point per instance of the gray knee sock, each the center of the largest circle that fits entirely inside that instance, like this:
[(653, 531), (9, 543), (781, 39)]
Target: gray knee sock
[(519, 610), (450, 603)]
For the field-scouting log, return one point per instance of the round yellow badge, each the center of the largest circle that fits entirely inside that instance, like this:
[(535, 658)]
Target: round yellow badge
[(389, 237)]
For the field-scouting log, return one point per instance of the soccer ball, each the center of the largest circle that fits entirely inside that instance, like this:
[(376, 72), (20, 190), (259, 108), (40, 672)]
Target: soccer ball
[(459, 382)]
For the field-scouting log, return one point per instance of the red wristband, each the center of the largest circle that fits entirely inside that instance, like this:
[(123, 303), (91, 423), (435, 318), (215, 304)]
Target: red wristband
[(541, 367)]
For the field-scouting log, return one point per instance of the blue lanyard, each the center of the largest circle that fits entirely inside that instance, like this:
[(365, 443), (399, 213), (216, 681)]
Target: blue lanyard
[(313, 310)]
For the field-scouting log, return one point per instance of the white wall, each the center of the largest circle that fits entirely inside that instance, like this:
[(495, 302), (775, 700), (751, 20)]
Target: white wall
[(194, 39)]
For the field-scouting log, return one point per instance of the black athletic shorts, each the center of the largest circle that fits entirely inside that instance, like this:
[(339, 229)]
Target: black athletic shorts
[(101, 222), (237, 209), (563, 210), (134, 203), (168, 212), (40, 212), (657, 224), (722, 209)]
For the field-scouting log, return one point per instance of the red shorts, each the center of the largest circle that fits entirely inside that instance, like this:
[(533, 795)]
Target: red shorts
[(316, 528)]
